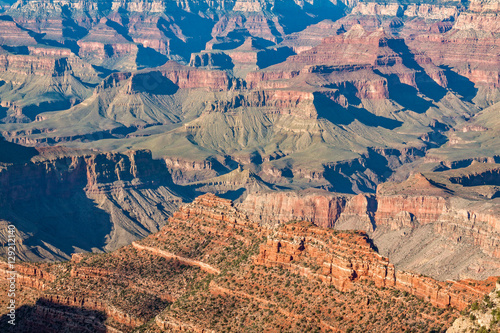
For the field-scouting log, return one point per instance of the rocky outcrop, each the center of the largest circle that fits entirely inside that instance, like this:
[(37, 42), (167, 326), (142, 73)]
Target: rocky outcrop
[(400, 211), (13, 35), (213, 244), (432, 12), (467, 48), (335, 257), (144, 30), (372, 8), (124, 197), (100, 50), (457, 294), (167, 79), (482, 16), (215, 210), (91, 304), (418, 201), (481, 315), (407, 208), (472, 21), (27, 275), (33, 65), (215, 60), (94, 172), (358, 62), (188, 77), (342, 259), (47, 314), (105, 42), (284, 102), (186, 171), (271, 208), (256, 23), (425, 11)]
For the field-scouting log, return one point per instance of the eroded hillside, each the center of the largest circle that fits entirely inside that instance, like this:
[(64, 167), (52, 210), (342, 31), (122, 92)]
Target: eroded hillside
[(294, 101), (211, 268)]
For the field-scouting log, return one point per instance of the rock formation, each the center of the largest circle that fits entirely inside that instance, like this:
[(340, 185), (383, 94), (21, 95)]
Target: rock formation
[(406, 211), (480, 315), (209, 253), (272, 208), (130, 191), (346, 115)]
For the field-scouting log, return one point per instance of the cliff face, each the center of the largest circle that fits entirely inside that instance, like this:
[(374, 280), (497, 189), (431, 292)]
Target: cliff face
[(272, 208), (343, 262), (343, 258), (457, 219), (468, 48), (214, 253), (482, 16), (458, 45), (119, 197), (481, 314), (284, 102), (186, 77), (33, 65), (425, 11), (399, 215), (358, 62), (61, 177)]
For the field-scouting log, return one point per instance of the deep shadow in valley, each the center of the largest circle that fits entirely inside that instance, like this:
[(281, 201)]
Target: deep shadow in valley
[(65, 222), (406, 95), (426, 85), (49, 317), (336, 114), (12, 153), (460, 84)]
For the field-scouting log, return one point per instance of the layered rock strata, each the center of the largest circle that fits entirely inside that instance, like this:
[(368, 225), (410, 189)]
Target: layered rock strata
[(227, 256), (120, 197), (402, 210), (343, 262)]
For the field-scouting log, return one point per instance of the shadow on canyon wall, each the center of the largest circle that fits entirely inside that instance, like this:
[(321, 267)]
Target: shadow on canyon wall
[(49, 317)]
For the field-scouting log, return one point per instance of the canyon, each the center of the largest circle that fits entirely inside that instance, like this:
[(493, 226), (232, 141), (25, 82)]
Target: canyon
[(123, 196), (430, 214), (328, 166), (210, 255)]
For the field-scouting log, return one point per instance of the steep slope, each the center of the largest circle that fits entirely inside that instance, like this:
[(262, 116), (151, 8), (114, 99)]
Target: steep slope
[(121, 104), (482, 315), (84, 201), (42, 80), (477, 139), (212, 269), (441, 224)]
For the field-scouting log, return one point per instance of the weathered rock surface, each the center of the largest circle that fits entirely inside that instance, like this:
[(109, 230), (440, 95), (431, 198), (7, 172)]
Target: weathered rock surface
[(212, 244), (274, 98), (482, 314), (343, 263), (401, 215), (121, 197), (272, 208), (412, 10)]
